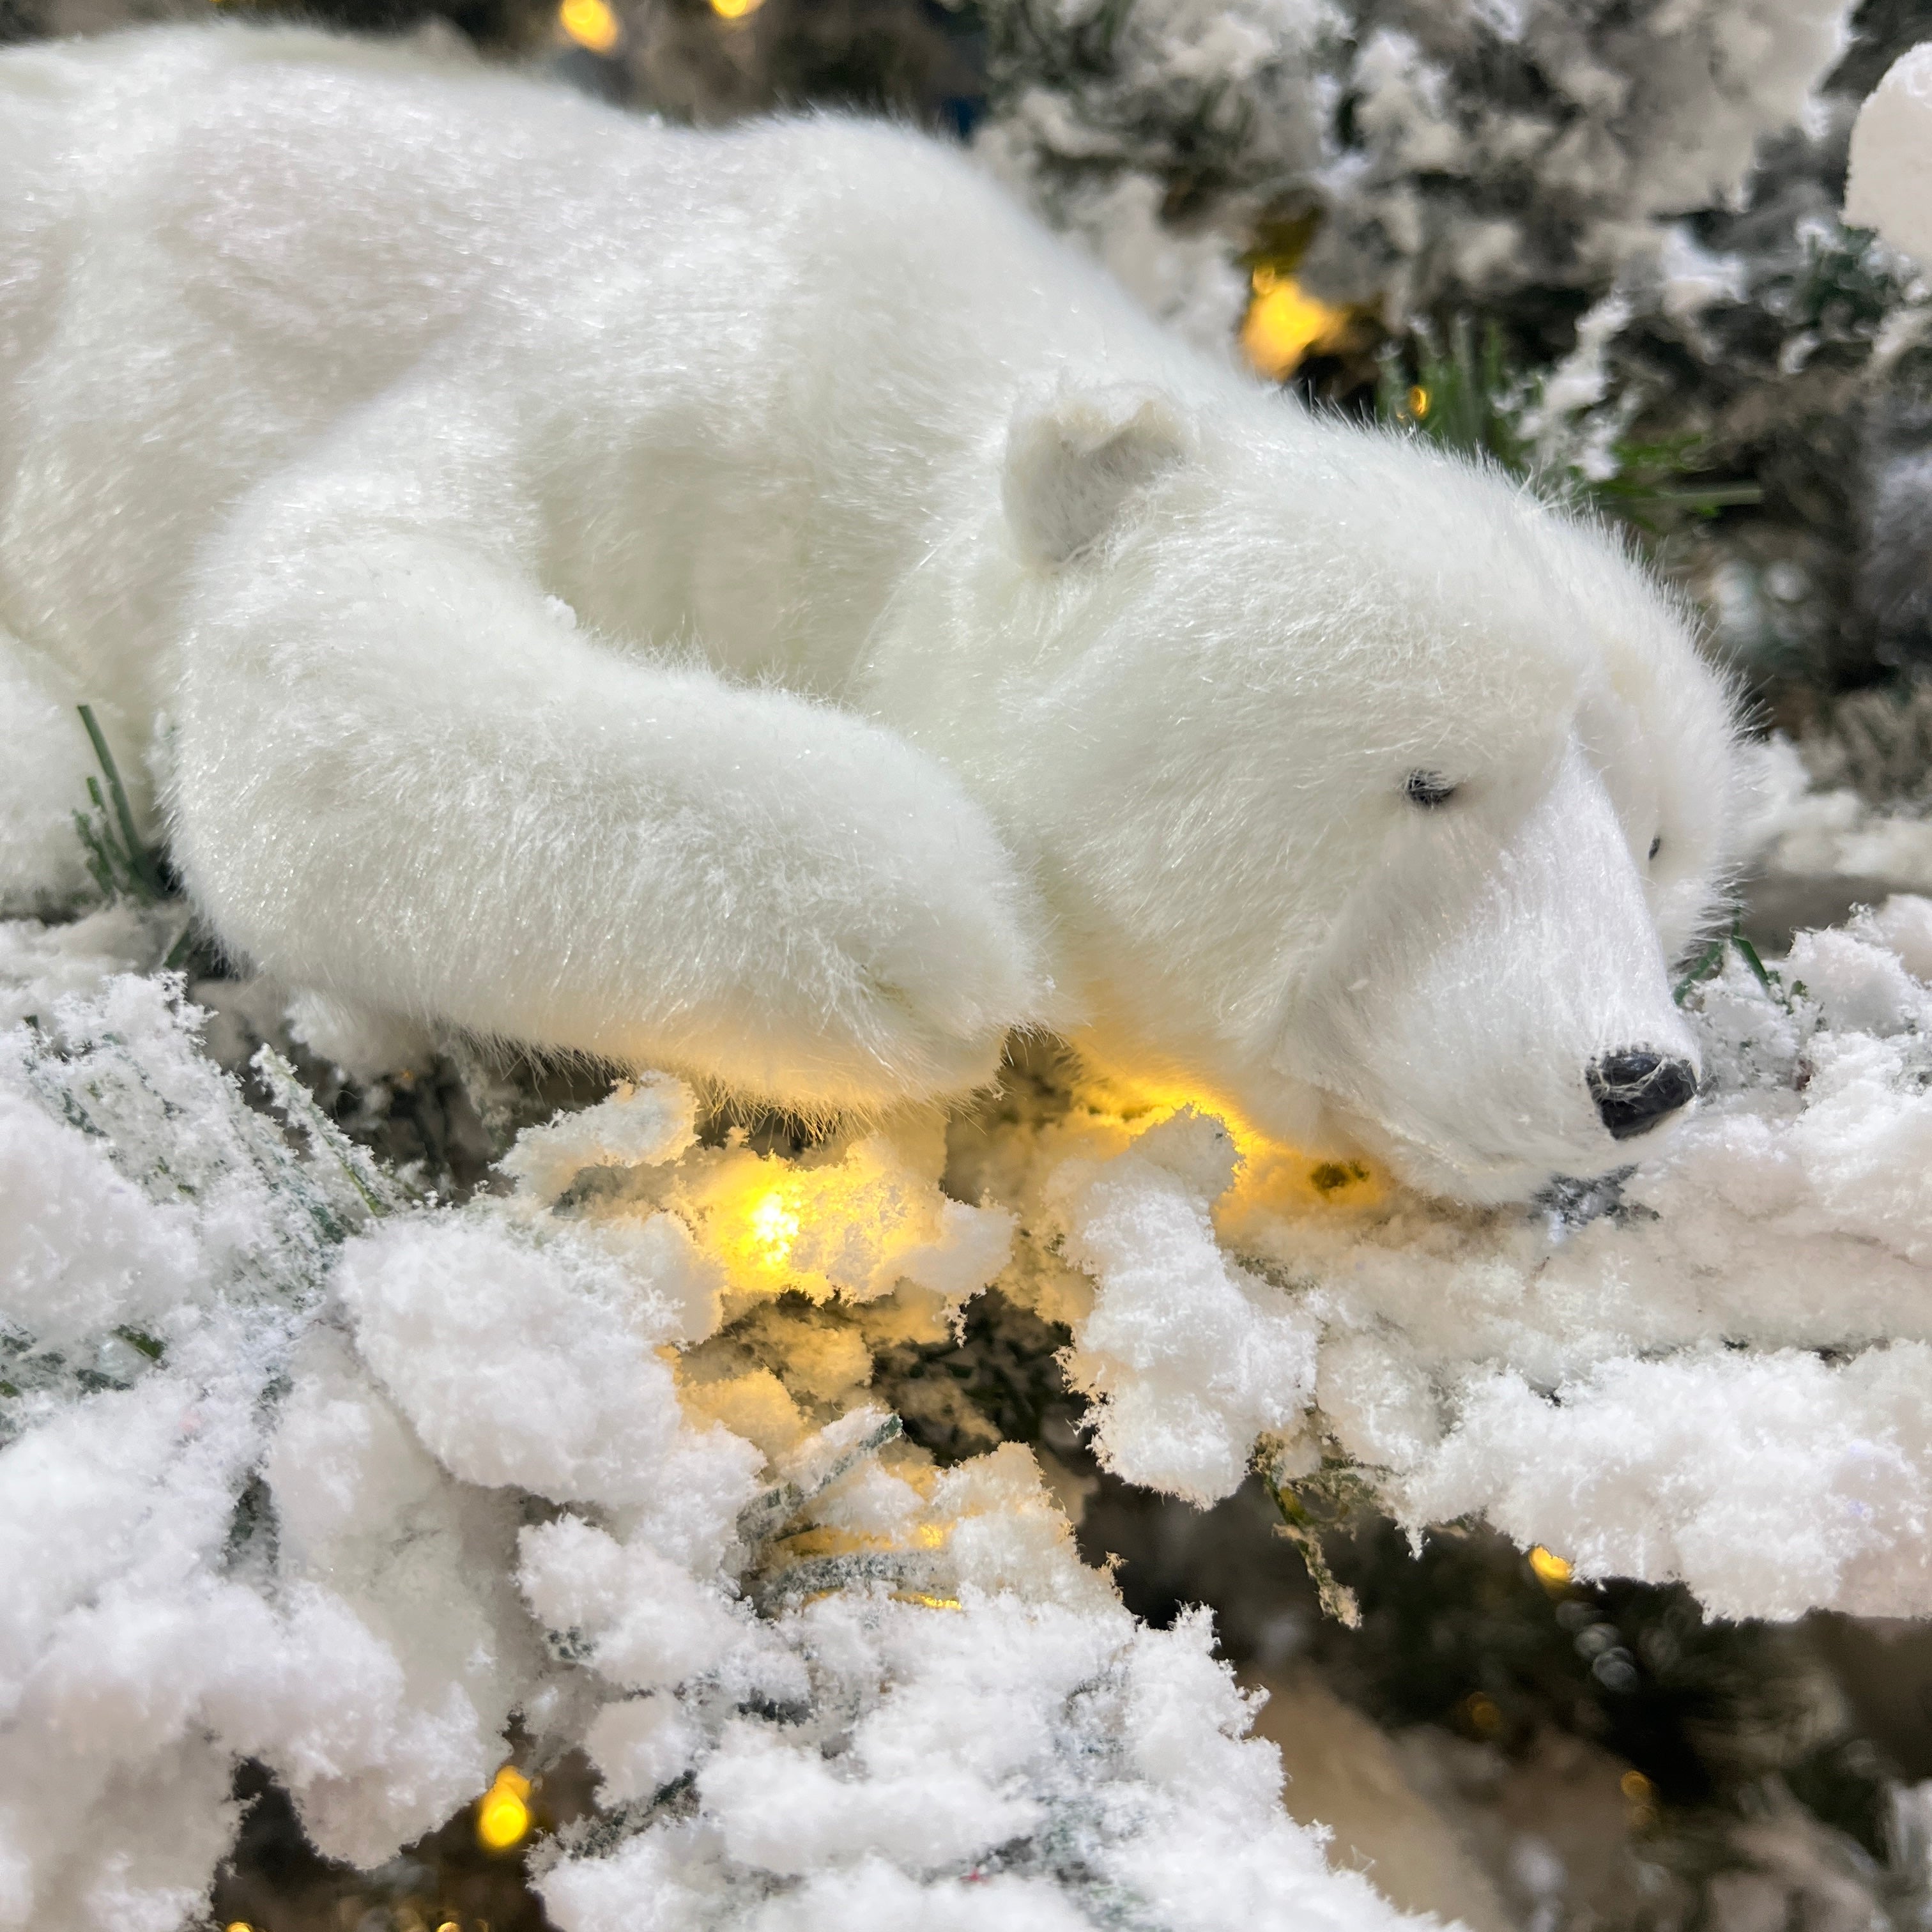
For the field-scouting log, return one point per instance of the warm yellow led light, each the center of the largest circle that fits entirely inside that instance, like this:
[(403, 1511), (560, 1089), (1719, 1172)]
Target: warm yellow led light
[(735, 10), (503, 1812), (591, 24), (1283, 324), (1551, 1572), (774, 1228), (778, 1229), (1418, 402), (1483, 1714), (1635, 1787)]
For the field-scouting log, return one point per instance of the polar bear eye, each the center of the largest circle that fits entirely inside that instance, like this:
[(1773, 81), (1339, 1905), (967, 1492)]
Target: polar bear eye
[(1427, 789), (1657, 845)]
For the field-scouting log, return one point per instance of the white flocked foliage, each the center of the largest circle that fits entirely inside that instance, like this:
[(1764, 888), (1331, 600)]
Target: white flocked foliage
[(299, 1469), (1890, 185), (310, 1473), (1411, 125)]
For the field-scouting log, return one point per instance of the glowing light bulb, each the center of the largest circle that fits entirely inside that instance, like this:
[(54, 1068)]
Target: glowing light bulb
[(1483, 1714), (1552, 1571), (774, 1227), (1283, 324), (503, 1811), (735, 10), (1643, 1796), (1418, 402), (591, 24)]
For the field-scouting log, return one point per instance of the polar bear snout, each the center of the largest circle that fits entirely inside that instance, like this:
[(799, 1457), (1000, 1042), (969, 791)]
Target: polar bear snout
[(1506, 1015), (1635, 1088)]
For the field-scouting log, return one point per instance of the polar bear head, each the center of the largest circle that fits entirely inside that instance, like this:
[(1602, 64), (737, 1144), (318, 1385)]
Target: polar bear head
[(1372, 794)]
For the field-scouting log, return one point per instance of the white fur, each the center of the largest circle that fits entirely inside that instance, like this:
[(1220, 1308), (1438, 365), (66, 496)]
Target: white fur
[(752, 602)]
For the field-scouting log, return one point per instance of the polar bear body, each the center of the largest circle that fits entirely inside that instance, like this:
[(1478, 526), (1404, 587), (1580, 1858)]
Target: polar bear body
[(754, 602)]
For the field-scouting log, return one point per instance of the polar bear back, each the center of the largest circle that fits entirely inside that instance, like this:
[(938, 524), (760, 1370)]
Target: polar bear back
[(785, 349)]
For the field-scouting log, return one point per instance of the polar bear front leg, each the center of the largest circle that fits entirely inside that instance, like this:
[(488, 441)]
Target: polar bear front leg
[(404, 779)]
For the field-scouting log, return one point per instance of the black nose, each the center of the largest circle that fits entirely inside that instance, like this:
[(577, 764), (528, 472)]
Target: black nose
[(1633, 1090)]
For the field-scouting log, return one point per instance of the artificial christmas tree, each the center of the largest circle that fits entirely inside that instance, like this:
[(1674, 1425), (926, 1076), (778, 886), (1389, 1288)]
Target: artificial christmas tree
[(358, 1445)]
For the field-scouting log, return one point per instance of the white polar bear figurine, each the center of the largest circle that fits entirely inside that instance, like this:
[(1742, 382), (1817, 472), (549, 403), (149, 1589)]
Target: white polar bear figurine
[(753, 603)]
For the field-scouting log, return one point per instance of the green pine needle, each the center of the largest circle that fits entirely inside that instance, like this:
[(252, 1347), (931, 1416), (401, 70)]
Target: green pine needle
[(1705, 966), (119, 860), (1472, 400)]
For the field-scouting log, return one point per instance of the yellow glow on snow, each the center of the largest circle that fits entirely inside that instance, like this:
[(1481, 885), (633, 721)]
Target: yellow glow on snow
[(591, 24), (927, 1603), (1284, 324), (1273, 1173), (1552, 1571), (774, 1228), (840, 1225), (503, 1811), (735, 10), (1171, 1098)]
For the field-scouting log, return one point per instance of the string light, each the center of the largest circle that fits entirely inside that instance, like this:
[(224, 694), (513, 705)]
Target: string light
[(1418, 402), (1482, 1714), (1643, 1796), (774, 1228), (777, 1228), (1552, 1571), (735, 10), (503, 1811), (1285, 324), (591, 24)]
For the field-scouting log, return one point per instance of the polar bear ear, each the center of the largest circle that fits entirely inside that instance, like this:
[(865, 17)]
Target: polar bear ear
[(1075, 466)]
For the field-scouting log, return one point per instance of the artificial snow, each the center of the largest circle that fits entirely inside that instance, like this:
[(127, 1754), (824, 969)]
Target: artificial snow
[(300, 1467), (1412, 126), (1889, 186)]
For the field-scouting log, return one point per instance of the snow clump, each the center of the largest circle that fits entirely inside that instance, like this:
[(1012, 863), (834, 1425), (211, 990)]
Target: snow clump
[(299, 1468), (1890, 185)]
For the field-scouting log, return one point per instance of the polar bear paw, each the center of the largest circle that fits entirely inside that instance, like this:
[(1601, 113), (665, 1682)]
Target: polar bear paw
[(903, 944), (914, 994), (931, 1008)]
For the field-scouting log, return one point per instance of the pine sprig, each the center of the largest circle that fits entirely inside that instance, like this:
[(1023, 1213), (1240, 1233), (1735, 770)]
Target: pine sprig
[(1473, 399), (1708, 964), (124, 865), (1311, 1507)]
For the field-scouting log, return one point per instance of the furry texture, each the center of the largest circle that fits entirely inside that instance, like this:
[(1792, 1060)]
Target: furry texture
[(752, 603)]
